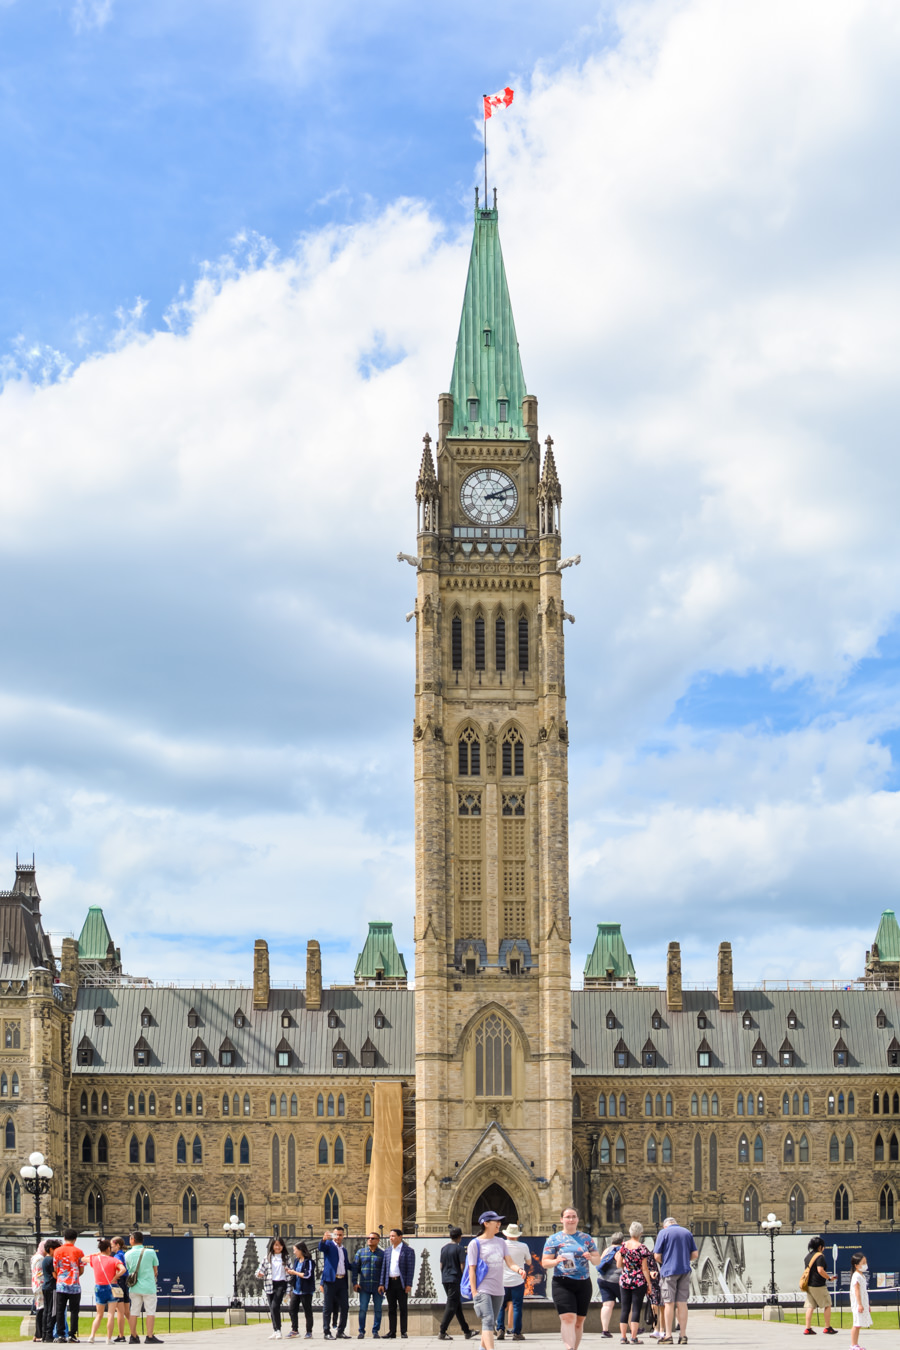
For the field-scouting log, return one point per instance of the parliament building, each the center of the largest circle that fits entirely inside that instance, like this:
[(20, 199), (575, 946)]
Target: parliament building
[(492, 1083)]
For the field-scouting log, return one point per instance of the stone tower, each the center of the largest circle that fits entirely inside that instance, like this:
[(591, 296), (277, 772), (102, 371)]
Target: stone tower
[(493, 1003)]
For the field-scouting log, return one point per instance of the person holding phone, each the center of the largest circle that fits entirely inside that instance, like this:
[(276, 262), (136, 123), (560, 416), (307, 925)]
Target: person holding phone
[(567, 1254)]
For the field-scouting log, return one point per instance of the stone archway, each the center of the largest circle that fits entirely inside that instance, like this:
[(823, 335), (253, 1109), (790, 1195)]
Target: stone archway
[(495, 1197), (496, 1176)]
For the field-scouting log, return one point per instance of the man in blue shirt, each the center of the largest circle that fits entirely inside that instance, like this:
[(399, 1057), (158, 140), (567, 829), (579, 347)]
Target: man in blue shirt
[(675, 1251), (366, 1277), (335, 1281)]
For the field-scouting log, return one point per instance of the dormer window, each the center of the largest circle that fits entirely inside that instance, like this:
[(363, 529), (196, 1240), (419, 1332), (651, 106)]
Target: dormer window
[(146, 1018), (473, 409), (502, 409), (621, 1056), (240, 1019), (836, 1020), (610, 1021), (881, 1019), (99, 1018), (760, 1055), (332, 1020), (515, 965), (193, 1019), (701, 1021), (841, 1055), (487, 336), (379, 1020), (656, 1021), (198, 1054), (226, 1054), (340, 1054), (7, 956), (368, 1055), (141, 1054), (704, 1054), (746, 1021), (786, 1056), (283, 1055), (648, 1055), (85, 1051), (471, 965), (792, 1019), (893, 1058), (285, 1019)]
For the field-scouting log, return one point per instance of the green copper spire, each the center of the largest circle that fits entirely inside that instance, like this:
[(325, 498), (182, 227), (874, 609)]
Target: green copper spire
[(93, 944), (379, 958), (609, 960), (888, 937), (487, 385)]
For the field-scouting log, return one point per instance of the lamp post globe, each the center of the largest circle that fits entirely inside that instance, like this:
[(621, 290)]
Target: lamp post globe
[(36, 1177)]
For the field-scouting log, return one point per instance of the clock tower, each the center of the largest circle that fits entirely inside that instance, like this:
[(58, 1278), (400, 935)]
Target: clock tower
[(493, 1001)]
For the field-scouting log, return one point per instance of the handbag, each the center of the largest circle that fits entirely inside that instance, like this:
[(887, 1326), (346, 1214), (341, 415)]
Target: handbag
[(609, 1271), (132, 1277), (807, 1269), (465, 1284)]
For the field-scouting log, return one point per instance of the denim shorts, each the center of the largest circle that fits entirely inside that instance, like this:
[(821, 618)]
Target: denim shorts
[(102, 1294)]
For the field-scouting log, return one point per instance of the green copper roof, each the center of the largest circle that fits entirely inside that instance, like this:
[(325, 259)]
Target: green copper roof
[(609, 954), (95, 936), (379, 958), (888, 937), (487, 365)]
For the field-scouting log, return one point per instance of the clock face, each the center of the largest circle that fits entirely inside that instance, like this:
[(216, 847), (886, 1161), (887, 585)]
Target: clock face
[(489, 496)]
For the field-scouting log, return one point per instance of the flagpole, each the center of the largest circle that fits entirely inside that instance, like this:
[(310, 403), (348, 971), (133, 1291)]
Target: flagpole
[(484, 119)]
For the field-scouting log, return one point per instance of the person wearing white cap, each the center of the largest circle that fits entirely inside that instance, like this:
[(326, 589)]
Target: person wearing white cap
[(513, 1282)]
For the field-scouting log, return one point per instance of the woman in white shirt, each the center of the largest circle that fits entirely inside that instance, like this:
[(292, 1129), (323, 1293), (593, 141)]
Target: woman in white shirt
[(859, 1296), (513, 1282), (274, 1273)]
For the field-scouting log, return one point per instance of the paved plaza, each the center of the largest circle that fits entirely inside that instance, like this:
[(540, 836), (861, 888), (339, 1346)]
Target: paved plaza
[(704, 1329)]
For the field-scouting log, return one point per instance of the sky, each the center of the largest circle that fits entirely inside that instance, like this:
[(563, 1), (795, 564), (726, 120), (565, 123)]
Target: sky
[(236, 242)]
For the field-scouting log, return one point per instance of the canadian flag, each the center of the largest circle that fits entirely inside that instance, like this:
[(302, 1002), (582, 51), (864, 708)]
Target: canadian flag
[(501, 100)]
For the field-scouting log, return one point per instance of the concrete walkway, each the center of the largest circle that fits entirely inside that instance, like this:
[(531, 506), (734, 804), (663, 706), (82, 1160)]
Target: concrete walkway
[(704, 1329)]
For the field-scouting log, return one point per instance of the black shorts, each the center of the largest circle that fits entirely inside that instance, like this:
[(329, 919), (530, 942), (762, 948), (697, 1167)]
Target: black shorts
[(571, 1296)]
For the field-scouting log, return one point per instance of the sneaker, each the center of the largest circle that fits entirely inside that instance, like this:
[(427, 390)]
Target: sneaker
[(810, 1331), (134, 1340), (829, 1331)]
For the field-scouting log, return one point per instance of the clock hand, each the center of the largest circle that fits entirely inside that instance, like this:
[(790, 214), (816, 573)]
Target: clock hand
[(490, 496)]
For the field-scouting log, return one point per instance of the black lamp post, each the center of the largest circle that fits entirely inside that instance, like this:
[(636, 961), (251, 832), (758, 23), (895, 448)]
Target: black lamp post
[(234, 1228), (772, 1226), (36, 1177)]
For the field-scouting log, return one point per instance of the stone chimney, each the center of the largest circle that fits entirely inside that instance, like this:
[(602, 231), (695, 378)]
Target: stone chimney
[(261, 974), (313, 976), (725, 979), (673, 978), (68, 970)]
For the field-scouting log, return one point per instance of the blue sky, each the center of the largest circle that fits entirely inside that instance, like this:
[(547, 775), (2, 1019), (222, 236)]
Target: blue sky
[(236, 246)]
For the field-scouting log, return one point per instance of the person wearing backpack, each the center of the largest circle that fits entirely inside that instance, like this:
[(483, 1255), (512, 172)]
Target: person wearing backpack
[(485, 1258), (608, 1282), (814, 1283)]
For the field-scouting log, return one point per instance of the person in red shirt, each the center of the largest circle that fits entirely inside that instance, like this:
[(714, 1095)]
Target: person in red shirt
[(68, 1267)]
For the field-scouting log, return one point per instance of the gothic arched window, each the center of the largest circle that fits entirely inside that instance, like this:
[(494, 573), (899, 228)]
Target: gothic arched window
[(292, 1165), (189, 1206), (493, 1057), (283, 1105), (369, 1151), (605, 1151), (134, 1150), (13, 1196), (469, 754), (342, 1110), (228, 1152), (841, 1203), (789, 1149), (181, 1150), (803, 1149), (276, 1163), (834, 1149), (236, 1204), (332, 1207), (367, 1105), (743, 1149), (886, 1204), (331, 1103), (758, 1149), (751, 1205), (651, 1149), (479, 642), (87, 1151), (197, 1151), (103, 1149), (879, 1148), (806, 1103), (323, 1151), (523, 644), (320, 1105), (244, 1151), (667, 1149), (455, 650), (226, 1104), (849, 1150), (142, 1208), (698, 1163), (293, 1103), (713, 1163), (10, 1133), (613, 1206), (620, 1151), (512, 754), (95, 1206), (500, 644), (660, 1207), (668, 1103), (797, 1205)]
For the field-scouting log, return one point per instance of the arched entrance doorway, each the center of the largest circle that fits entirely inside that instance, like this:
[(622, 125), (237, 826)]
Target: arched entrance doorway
[(498, 1199)]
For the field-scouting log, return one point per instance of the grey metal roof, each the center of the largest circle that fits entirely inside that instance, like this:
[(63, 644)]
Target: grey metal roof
[(676, 1043), (170, 1038)]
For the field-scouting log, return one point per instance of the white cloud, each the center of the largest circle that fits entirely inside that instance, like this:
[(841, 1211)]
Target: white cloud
[(699, 232), (88, 14)]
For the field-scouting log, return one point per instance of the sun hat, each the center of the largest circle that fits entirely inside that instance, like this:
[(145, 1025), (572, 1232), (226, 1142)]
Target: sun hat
[(512, 1230)]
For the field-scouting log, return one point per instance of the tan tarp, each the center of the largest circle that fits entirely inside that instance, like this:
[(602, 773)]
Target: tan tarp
[(384, 1200)]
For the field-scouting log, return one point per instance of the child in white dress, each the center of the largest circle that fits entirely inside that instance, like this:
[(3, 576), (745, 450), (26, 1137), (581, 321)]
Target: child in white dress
[(859, 1297)]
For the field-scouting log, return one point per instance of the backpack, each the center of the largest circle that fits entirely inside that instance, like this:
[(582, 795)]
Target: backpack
[(807, 1271), (465, 1284), (609, 1271)]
